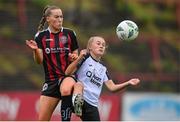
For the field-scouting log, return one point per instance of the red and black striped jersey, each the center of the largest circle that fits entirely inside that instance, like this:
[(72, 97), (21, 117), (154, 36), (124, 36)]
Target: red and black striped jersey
[(56, 47)]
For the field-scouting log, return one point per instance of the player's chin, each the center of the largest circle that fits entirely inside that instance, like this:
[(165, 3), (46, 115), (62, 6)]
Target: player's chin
[(100, 54), (58, 26)]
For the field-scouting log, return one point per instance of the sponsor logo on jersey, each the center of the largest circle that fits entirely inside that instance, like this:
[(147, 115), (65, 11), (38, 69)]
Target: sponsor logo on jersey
[(47, 50), (56, 50), (93, 78)]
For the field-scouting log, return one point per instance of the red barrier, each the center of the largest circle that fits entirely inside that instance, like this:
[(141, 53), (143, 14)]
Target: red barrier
[(20, 106)]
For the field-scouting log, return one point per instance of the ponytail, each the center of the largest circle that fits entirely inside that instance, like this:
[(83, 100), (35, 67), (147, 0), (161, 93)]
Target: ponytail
[(42, 23), (43, 20)]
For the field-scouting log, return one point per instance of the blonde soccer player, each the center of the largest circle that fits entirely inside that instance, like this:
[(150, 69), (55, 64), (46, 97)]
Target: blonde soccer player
[(93, 74)]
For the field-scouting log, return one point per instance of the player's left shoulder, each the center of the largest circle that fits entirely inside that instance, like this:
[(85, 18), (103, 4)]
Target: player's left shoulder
[(102, 64), (65, 29)]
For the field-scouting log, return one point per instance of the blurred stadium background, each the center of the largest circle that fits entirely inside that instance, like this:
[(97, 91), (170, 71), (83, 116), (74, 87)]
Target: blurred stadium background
[(153, 57)]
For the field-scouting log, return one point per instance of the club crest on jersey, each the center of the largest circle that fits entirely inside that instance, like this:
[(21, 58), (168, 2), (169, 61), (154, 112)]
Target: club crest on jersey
[(63, 39), (47, 50)]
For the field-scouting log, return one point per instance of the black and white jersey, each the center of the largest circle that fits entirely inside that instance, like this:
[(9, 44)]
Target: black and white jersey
[(92, 74)]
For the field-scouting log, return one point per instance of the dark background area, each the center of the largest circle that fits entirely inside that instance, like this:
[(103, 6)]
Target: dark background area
[(153, 57)]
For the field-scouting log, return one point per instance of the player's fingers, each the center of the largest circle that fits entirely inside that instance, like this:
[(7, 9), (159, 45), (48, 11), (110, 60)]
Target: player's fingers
[(33, 42), (27, 41), (136, 81), (84, 52), (76, 56), (69, 54)]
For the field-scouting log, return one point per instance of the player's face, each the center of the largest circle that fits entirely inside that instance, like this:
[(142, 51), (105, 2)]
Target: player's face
[(98, 46), (55, 19)]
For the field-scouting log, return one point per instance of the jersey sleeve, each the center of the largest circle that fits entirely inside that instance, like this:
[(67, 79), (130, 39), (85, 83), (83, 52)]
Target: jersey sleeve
[(106, 76), (82, 61), (38, 40), (74, 44)]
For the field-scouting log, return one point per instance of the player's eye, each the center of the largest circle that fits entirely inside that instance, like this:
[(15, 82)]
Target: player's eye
[(98, 43), (103, 44), (61, 16)]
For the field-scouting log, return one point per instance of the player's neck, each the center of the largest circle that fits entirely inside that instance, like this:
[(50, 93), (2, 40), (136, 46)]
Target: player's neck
[(52, 30), (95, 57)]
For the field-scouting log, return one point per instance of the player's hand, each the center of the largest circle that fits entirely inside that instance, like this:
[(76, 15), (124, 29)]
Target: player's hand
[(73, 56), (134, 81), (32, 44), (83, 52)]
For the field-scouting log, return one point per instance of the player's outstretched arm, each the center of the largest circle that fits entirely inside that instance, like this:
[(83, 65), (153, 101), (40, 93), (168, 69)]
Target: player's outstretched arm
[(37, 53), (117, 87)]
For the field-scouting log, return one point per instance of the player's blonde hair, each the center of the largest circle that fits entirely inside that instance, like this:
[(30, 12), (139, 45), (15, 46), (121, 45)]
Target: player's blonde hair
[(46, 12)]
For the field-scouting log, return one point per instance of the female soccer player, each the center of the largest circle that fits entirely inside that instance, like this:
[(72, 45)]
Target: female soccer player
[(54, 47), (92, 74)]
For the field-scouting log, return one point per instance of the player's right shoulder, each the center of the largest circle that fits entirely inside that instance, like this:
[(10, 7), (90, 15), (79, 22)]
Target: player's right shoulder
[(83, 60), (41, 33)]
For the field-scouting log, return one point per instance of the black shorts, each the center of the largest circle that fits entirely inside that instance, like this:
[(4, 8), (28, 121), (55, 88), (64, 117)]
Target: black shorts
[(89, 112), (51, 88)]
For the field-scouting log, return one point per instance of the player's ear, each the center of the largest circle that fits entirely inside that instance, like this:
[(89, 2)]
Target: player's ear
[(47, 19)]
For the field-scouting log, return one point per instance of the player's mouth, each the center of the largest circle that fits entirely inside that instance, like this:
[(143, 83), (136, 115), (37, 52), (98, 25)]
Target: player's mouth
[(102, 51)]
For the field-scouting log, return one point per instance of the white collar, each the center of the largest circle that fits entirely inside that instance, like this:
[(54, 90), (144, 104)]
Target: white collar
[(51, 31)]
